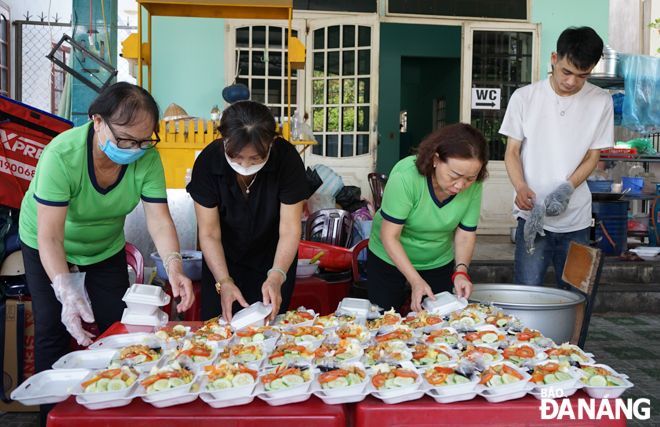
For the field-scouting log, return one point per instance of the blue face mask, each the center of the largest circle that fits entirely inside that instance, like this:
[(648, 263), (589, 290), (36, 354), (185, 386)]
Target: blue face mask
[(117, 155)]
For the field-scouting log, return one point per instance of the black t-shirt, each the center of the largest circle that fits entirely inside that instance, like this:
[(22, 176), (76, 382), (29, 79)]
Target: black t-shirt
[(250, 228)]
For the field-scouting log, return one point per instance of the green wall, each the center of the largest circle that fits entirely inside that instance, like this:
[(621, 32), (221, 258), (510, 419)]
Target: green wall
[(188, 63), (557, 15), (396, 42), (423, 80)]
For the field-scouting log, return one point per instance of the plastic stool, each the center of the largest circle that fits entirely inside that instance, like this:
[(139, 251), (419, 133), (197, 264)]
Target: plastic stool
[(311, 292), (194, 312)]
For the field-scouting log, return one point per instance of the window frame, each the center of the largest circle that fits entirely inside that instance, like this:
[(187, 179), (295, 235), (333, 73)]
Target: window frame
[(458, 18), (7, 41)]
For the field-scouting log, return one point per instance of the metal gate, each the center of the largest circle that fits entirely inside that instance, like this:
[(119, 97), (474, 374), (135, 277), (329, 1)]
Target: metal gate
[(39, 82)]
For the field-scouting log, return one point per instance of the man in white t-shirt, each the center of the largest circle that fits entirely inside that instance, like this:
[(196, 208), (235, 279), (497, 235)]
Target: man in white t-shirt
[(556, 129)]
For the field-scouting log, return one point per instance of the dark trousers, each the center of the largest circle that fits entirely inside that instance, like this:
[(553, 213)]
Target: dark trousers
[(106, 282), (248, 281), (386, 285)]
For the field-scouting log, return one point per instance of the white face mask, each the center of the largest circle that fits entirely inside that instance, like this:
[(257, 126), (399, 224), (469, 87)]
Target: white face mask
[(241, 170)]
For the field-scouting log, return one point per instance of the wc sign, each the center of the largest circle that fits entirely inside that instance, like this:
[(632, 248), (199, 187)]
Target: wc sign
[(484, 98)]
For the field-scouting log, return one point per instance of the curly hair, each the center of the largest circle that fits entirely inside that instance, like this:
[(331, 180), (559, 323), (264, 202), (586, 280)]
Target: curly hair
[(459, 140)]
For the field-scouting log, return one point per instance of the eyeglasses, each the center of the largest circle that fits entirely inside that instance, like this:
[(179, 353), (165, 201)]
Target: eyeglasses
[(127, 144)]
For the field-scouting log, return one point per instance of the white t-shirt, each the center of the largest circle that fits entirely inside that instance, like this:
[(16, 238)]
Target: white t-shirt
[(553, 146)]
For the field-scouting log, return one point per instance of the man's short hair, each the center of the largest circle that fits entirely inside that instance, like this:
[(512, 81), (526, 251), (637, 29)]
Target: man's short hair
[(582, 47)]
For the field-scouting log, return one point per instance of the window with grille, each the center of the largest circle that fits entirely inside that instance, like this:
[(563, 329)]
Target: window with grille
[(57, 78), (501, 59), (439, 112), (4, 51), (261, 58), (341, 81)]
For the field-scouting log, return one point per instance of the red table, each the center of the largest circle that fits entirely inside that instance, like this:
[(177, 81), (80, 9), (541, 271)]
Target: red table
[(371, 412), (312, 412)]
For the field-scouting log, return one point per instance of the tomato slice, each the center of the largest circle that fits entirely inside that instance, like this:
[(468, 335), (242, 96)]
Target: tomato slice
[(146, 355), (276, 355), (320, 352), (110, 373), (537, 378), (408, 319), (342, 372), (437, 378), (485, 377), (247, 371), (419, 355), (443, 369), (525, 336), (247, 333), (525, 352), (287, 371), (198, 351), (166, 328), (388, 337), (268, 378), (554, 351), (486, 350), (169, 374), (150, 380), (378, 380), (404, 373), (326, 377), (90, 382), (433, 320), (508, 352), (509, 370), (550, 367), (347, 336), (471, 336), (390, 319), (305, 315)]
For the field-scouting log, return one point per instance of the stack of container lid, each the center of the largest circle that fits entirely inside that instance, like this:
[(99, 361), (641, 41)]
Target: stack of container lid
[(143, 305)]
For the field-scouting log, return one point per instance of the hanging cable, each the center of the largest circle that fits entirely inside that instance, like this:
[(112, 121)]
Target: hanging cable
[(106, 32)]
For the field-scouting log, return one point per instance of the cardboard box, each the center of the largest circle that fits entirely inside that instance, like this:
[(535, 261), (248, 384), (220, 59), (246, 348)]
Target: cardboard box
[(10, 382)]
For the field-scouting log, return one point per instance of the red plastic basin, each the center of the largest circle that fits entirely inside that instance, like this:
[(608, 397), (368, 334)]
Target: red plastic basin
[(335, 258)]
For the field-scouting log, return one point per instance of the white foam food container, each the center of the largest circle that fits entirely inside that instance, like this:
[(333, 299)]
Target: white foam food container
[(407, 394), (489, 328), (145, 299), (224, 403), (278, 320), (145, 366), (606, 392), (253, 315), (79, 390), (446, 349), (361, 307), (121, 340), (268, 344), (284, 400), (229, 393), (503, 397), (190, 396), (50, 386), (400, 391), (354, 359), (450, 398), (165, 394), (85, 359), (106, 404), (566, 392), (567, 384), (506, 388), (168, 344), (348, 390), (130, 318), (339, 400), (445, 303), (289, 392)]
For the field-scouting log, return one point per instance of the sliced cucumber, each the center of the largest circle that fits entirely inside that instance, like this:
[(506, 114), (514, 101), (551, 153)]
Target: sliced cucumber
[(554, 357), (563, 376), (179, 328), (467, 320), (450, 340), (308, 338), (338, 382), (161, 385), (102, 384), (502, 323), (597, 381), (496, 381), (92, 388), (404, 381), (589, 371), (508, 379), (248, 357), (298, 339), (390, 384), (276, 360), (139, 359), (291, 380), (277, 384), (259, 337), (353, 379), (325, 386), (460, 379), (443, 358), (489, 338), (488, 358), (220, 384), (426, 361), (116, 384), (577, 358), (515, 359), (151, 389), (242, 379), (369, 362), (550, 379), (245, 340), (617, 382), (344, 356), (176, 382)]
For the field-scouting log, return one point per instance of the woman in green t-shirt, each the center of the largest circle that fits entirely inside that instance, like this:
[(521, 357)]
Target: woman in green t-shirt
[(431, 200), (86, 181)]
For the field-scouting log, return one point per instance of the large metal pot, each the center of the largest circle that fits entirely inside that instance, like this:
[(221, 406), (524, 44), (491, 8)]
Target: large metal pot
[(548, 310)]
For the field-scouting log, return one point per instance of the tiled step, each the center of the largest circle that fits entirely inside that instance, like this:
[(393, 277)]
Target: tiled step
[(624, 287)]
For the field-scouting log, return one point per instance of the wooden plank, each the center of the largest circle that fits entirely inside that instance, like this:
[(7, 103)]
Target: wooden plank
[(581, 267)]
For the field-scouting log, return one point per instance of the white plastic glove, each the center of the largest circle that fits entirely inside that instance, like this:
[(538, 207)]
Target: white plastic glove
[(534, 225), (557, 201), (71, 293)]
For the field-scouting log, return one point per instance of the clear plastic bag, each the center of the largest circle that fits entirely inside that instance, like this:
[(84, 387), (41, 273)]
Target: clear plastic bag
[(641, 105), (320, 201), (534, 225), (71, 293)]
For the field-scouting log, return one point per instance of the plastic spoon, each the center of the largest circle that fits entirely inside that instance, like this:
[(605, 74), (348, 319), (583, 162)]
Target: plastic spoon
[(316, 258)]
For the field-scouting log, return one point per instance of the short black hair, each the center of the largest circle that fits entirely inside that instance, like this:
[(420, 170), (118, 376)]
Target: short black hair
[(247, 123), (122, 103), (582, 47)]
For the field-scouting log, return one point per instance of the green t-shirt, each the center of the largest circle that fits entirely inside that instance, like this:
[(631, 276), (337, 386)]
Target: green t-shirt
[(94, 227), (428, 224)]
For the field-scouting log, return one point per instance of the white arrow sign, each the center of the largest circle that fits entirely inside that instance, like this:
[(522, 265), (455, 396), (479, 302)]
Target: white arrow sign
[(484, 98)]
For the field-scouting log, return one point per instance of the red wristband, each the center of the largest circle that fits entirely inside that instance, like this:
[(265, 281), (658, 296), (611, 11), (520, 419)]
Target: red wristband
[(459, 273)]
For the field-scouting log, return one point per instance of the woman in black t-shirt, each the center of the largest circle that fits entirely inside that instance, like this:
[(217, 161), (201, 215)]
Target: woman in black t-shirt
[(248, 187)]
